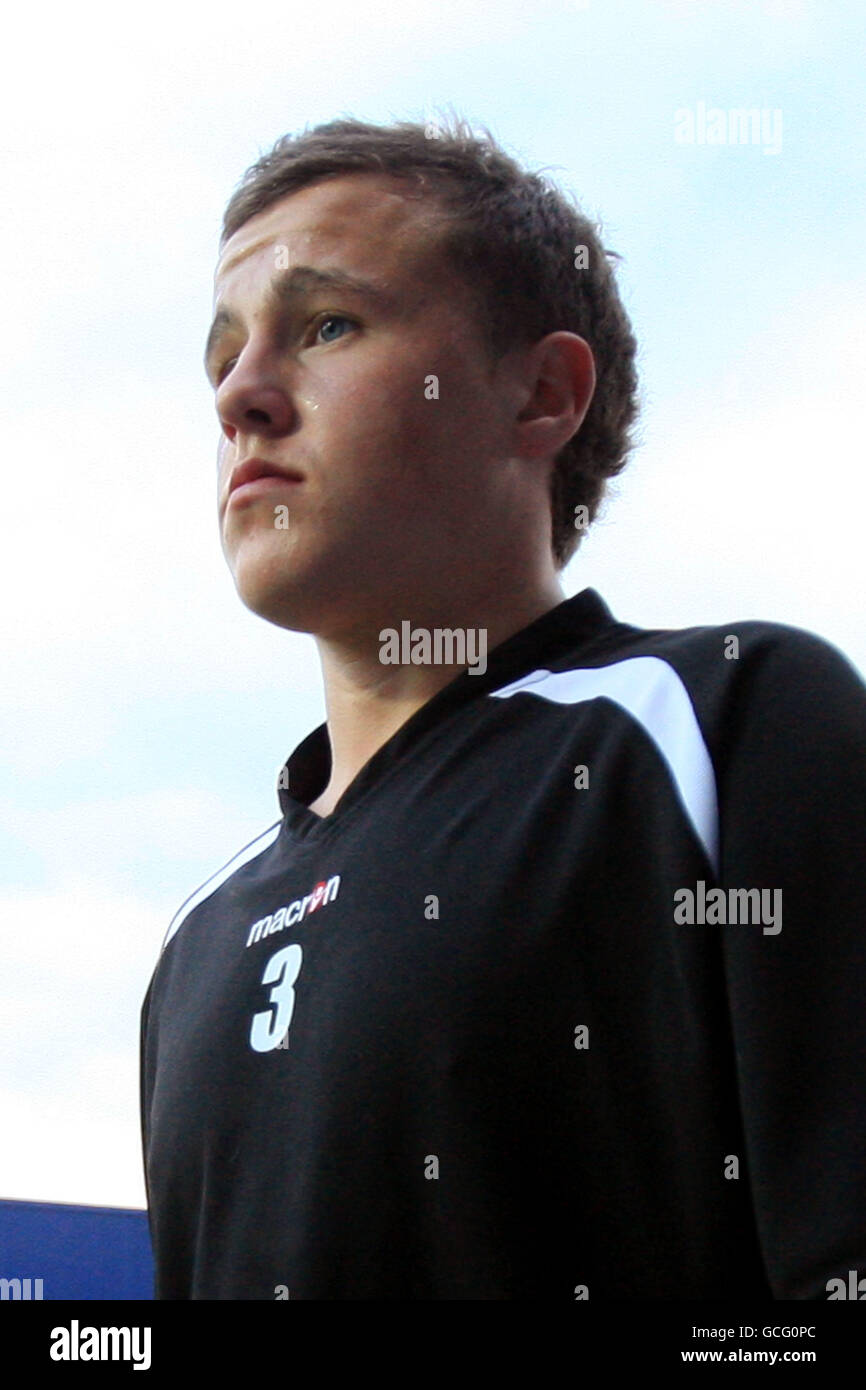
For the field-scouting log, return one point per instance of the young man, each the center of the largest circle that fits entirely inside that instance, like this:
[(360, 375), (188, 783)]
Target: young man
[(548, 982)]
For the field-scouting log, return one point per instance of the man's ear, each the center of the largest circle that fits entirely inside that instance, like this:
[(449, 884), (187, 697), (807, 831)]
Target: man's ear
[(559, 381)]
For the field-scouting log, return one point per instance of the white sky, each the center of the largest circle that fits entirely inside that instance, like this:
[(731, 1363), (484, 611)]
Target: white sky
[(146, 711)]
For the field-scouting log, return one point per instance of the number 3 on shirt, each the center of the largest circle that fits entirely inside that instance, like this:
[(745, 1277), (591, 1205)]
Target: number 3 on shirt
[(269, 1028)]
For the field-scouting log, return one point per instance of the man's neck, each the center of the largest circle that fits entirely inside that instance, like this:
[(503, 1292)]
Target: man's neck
[(368, 699)]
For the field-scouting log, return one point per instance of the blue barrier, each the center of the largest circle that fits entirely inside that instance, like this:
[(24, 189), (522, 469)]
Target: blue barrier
[(76, 1252)]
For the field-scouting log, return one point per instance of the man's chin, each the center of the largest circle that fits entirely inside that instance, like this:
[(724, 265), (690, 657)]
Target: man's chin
[(265, 583), (303, 592), (281, 604)]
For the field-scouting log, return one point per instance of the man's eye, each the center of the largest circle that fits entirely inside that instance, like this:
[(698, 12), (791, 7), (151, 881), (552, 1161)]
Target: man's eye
[(223, 370), (332, 318)]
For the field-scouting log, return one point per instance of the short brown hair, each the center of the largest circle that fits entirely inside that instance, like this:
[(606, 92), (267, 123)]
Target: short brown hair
[(534, 261)]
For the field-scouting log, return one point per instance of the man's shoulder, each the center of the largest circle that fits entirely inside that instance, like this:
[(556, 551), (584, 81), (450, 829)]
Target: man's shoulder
[(240, 861), (746, 684), (722, 653)]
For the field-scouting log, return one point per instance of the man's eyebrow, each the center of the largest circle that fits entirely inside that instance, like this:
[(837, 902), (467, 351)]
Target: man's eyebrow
[(290, 286)]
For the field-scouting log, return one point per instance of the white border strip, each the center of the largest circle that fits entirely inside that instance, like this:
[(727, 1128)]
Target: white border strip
[(243, 856)]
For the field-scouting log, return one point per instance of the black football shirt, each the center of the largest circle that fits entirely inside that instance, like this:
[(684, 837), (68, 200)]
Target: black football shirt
[(564, 1000)]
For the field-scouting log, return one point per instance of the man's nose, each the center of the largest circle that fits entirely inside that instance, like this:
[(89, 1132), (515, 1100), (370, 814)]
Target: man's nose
[(253, 399)]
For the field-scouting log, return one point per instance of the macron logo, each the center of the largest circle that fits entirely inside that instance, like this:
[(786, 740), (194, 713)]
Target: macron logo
[(295, 912)]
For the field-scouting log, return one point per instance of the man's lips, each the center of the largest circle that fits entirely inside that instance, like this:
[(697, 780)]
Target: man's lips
[(258, 476)]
